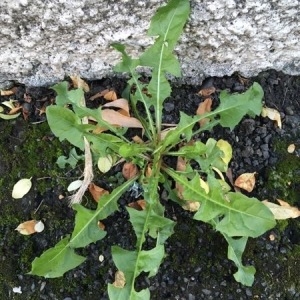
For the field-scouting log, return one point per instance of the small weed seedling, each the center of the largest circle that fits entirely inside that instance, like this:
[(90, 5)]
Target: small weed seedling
[(197, 184)]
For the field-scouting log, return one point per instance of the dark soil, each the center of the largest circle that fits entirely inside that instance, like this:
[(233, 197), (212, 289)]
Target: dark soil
[(196, 266)]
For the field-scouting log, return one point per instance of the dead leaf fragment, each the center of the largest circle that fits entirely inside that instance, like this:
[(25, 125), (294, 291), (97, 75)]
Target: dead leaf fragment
[(246, 181), (207, 92), (129, 170), (110, 96), (191, 206), (30, 227), (9, 92), (98, 95), (122, 104), (80, 83), (21, 188), (283, 211), (117, 119), (97, 191), (291, 148), (204, 107), (272, 114), (101, 225), (120, 280), (138, 205)]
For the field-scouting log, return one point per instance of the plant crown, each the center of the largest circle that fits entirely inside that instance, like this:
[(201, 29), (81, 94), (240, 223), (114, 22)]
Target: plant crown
[(201, 189)]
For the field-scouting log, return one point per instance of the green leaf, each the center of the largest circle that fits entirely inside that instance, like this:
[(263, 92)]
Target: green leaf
[(234, 107), (158, 226), (132, 263), (236, 247), (233, 213), (72, 160), (86, 229), (184, 127), (65, 125), (56, 261), (167, 24), (64, 96)]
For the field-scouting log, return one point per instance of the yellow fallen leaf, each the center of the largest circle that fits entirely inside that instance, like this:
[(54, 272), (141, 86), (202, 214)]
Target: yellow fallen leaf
[(291, 148), (21, 188), (282, 211), (30, 227), (120, 280), (227, 150), (105, 163), (272, 114), (246, 181), (80, 83)]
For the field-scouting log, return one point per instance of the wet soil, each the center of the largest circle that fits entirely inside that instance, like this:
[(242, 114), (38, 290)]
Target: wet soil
[(196, 266)]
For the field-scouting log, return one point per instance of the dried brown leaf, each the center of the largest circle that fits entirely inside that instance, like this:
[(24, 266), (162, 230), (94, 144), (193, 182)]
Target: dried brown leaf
[(129, 170), (115, 118), (9, 92), (110, 96), (119, 103), (99, 95), (138, 205), (207, 92), (30, 227), (97, 191), (204, 107), (246, 181)]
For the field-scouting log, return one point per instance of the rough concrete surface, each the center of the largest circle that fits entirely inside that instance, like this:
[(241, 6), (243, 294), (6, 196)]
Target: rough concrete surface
[(42, 41)]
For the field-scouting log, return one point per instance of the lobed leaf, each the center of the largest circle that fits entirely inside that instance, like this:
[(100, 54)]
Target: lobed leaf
[(56, 261), (234, 107), (236, 247), (233, 213)]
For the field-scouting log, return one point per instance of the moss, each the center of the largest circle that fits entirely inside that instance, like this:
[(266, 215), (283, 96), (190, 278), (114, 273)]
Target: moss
[(284, 177)]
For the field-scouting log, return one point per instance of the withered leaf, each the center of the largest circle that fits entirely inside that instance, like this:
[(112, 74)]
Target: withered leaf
[(116, 118), (129, 170), (207, 91), (120, 280), (272, 114), (110, 96), (122, 104), (204, 107), (96, 191), (246, 181), (282, 211), (30, 227), (80, 83), (138, 205)]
